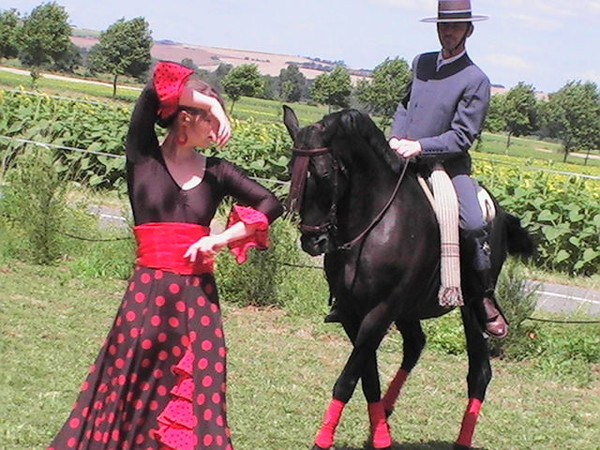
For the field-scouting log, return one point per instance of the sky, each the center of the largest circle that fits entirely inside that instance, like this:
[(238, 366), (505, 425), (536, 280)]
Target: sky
[(544, 43)]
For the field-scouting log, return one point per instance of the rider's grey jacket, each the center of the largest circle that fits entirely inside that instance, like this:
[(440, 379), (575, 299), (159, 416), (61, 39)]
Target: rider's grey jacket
[(444, 110)]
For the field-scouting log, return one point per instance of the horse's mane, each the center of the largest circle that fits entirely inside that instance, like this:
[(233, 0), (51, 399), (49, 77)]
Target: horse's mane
[(351, 122)]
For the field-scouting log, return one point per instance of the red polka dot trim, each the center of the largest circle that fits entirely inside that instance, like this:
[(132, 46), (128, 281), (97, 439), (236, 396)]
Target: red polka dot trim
[(177, 420), (260, 238), (169, 79)]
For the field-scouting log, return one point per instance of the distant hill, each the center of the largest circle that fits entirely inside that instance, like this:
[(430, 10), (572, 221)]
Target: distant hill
[(209, 58)]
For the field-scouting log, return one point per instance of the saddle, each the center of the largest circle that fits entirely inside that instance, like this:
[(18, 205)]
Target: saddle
[(441, 194)]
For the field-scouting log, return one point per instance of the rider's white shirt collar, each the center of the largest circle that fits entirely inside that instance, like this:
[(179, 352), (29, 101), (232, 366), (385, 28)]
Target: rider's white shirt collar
[(442, 62)]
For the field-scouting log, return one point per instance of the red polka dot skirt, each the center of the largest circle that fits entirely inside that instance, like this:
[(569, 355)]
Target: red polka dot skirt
[(159, 381)]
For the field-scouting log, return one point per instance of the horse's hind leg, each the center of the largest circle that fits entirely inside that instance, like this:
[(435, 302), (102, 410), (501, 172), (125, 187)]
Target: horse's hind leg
[(413, 342), (480, 375)]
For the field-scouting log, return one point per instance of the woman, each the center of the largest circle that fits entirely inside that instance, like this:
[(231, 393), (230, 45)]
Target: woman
[(159, 380)]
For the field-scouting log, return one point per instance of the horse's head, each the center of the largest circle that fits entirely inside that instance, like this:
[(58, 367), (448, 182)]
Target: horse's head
[(317, 183)]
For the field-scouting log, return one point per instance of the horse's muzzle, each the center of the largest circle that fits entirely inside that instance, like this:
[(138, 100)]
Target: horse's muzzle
[(316, 245)]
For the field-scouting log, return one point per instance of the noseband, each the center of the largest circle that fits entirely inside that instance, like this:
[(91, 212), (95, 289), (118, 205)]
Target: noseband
[(294, 201)]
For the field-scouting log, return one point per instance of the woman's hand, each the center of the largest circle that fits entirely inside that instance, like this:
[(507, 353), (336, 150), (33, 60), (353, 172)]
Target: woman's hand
[(224, 131), (205, 247)]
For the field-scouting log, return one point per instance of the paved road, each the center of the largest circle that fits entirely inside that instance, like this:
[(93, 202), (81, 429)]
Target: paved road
[(568, 299)]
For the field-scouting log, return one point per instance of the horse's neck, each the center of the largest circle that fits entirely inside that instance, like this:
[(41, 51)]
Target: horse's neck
[(371, 188)]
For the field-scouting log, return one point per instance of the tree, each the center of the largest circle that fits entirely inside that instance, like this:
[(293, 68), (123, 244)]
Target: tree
[(573, 115), (384, 91), (269, 87), (10, 23), (44, 37), (520, 111), (242, 80), (189, 62), (69, 60), (292, 84), (494, 120), (332, 89), (123, 49)]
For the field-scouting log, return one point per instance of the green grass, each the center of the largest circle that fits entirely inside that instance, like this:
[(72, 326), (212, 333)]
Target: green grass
[(495, 144), (281, 371), (271, 110)]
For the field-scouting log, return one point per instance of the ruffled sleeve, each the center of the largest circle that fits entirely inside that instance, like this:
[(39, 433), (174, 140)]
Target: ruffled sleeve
[(169, 80), (260, 238)]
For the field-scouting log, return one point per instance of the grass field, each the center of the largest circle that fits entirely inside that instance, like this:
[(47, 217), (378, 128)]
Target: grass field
[(281, 371), (259, 109), (535, 149)]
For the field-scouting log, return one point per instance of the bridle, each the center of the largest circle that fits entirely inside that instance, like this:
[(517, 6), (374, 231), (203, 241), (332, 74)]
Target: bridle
[(298, 184)]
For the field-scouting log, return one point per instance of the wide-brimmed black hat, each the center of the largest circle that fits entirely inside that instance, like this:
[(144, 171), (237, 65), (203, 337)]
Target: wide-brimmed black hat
[(454, 11)]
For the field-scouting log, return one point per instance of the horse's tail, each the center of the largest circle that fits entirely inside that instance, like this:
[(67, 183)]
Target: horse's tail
[(519, 241)]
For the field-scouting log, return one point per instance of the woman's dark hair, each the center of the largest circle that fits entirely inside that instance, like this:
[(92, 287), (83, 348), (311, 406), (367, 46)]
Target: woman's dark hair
[(197, 85)]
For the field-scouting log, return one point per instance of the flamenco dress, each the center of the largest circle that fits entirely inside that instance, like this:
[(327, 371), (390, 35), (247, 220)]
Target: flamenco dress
[(159, 381)]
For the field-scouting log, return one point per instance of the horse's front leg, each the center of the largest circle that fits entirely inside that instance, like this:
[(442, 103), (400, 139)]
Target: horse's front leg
[(480, 375), (361, 363), (371, 385), (413, 342)]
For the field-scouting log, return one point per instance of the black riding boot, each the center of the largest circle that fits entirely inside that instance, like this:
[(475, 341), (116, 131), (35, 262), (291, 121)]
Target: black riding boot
[(495, 322)]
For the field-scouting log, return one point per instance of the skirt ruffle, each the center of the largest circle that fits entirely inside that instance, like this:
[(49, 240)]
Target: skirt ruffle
[(178, 420)]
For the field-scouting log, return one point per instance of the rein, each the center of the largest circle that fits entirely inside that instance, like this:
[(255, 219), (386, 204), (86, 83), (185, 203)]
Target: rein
[(348, 245), (294, 201)]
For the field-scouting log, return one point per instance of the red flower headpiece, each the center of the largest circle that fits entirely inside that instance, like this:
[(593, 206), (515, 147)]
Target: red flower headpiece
[(169, 80)]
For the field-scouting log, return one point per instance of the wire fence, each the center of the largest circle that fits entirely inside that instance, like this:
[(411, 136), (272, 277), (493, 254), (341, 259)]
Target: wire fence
[(285, 183)]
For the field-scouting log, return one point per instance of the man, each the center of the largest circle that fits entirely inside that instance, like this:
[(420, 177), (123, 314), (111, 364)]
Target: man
[(439, 120)]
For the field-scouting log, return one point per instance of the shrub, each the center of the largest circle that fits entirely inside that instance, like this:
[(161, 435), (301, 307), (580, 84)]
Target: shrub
[(446, 334), (517, 297), (258, 281), (35, 204)]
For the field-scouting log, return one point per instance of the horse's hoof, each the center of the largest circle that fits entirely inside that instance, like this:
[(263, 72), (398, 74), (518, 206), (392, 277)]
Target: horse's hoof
[(460, 447), (316, 447)]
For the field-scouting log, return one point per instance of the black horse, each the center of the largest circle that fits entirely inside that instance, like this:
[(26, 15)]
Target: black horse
[(362, 206)]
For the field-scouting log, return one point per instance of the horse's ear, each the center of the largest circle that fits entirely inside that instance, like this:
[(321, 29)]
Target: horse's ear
[(291, 121)]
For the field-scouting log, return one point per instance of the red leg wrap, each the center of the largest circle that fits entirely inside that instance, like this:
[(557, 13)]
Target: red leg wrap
[(390, 397), (330, 422), (379, 426), (468, 423)]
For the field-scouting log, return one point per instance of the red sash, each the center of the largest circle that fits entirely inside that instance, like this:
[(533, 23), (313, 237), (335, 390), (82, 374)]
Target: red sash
[(162, 246)]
